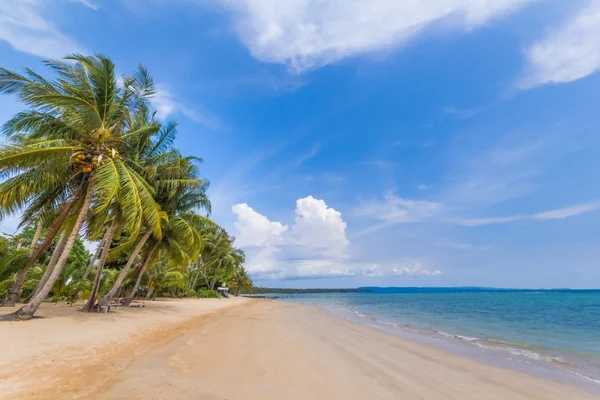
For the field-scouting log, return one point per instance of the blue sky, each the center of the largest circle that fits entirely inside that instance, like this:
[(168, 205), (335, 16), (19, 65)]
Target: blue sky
[(358, 143)]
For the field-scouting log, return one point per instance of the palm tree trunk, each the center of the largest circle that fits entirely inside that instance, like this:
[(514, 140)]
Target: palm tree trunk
[(107, 240), (195, 279), (111, 293), (93, 260), (60, 246), (214, 281), (139, 278), (13, 291), (48, 241), (36, 237), (29, 309)]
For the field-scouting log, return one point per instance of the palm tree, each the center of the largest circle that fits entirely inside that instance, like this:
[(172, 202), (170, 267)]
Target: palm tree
[(241, 280), (178, 190), (71, 136)]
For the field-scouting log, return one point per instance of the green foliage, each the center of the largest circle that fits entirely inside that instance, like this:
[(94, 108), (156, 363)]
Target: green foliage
[(84, 128), (207, 294), (12, 260)]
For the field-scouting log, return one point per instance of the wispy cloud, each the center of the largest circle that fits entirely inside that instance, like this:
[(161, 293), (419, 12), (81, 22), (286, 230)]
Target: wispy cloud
[(560, 213), (308, 155), (487, 221), (304, 34), (166, 104), (567, 212), (423, 186), (381, 163), (567, 54), (503, 172), (461, 113), (415, 270), (87, 3), (396, 209), (451, 244), (24, 27)]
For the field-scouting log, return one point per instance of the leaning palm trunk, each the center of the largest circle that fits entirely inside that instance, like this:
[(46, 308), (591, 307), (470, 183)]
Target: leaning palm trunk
[(139, 278), (60, 246), (93, 260), (111, 293), (108, 237), (15, 288), (216, 278), (29, 309), (37, 251)]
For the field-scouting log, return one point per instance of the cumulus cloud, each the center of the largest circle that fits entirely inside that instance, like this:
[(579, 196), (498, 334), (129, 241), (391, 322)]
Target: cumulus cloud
[(24, 27), (255, 229), (567, 54), (305, 34), (318, 227), (313, 247)]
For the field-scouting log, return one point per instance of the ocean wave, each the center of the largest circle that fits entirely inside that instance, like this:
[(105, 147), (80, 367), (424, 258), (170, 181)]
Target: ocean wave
[(461, 337), (585, 377)]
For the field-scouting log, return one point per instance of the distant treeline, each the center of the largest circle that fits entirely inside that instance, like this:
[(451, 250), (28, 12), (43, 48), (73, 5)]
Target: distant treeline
[(375, 289), (264, 290)]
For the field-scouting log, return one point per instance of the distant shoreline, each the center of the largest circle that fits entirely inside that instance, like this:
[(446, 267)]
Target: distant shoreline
[(412, 289)]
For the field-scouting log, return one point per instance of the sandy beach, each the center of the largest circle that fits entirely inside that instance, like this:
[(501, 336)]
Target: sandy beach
[(238, 349)]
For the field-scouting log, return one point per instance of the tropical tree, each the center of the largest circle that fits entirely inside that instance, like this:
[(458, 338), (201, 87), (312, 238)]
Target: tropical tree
[(70, 136), (240, 281)]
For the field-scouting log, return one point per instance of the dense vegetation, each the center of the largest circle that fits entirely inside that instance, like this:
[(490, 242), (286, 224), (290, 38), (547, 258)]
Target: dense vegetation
[(88, 159)]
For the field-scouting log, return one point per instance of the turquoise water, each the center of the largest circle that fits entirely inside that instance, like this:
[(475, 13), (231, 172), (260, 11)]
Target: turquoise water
[(559, 328)]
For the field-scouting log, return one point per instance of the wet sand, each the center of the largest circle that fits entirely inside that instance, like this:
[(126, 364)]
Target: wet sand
[(255, 349)]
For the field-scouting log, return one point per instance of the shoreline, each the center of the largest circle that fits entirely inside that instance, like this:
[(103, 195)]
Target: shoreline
[(492, 352), (240, 349)]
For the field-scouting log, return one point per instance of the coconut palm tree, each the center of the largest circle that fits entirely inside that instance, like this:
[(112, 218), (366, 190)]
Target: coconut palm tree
[(178, 190), (75, 127), (240, 280)]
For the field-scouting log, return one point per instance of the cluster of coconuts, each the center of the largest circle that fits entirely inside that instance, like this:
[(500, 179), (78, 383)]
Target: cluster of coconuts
[(88, 162)]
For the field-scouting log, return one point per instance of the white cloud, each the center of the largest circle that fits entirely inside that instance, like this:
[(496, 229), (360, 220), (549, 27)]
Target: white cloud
[(399, 210), (488, 221), (373, 270), (504, 172), (560, 213), (319, 227), (255, 229), (305, 34), (24, 27), (87, 3), (314, 246), (166, 104), (568, 212), (567, 54), (423, 186), (461, 113), (414, 270)]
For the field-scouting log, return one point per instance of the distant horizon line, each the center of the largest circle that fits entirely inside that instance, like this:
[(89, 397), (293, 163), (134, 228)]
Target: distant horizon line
[(431, 287)]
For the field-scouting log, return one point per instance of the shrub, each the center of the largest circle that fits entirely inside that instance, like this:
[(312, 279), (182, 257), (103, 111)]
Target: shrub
[(207, 294)]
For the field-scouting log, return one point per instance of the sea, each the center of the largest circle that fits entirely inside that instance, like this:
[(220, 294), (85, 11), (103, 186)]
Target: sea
[(554, 334)]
